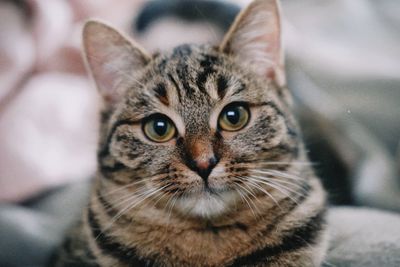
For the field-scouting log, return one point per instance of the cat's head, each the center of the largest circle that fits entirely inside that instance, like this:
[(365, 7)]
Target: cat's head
[(197, 126)]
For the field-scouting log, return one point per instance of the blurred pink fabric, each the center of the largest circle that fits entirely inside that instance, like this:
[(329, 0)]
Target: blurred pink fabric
[(48, 106)]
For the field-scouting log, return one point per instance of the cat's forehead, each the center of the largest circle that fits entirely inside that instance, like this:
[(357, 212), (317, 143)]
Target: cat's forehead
[(194, 53), (186, 71), (191, 80), (189, 76), (190, 67)]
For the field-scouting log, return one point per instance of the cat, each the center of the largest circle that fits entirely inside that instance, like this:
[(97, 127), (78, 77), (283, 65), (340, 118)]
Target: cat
[(200, 159)]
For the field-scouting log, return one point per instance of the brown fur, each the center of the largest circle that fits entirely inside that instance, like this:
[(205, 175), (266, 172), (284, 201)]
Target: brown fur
[(260, 206)]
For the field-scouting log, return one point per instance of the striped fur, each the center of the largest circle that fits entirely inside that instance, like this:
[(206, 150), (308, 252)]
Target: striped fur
[(260, 206)]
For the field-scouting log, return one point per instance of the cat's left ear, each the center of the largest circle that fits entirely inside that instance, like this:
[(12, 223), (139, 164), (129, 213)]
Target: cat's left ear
[(111, 58), (254, 39)]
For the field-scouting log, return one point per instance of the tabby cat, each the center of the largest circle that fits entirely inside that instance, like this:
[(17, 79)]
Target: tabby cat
[(200, 160)]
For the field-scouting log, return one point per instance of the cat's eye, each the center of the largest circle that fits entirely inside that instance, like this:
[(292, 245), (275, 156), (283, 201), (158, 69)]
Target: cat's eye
[(159, 128), (234, 117)]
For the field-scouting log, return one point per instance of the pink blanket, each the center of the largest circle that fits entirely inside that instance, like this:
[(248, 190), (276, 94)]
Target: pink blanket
[(48, 107)]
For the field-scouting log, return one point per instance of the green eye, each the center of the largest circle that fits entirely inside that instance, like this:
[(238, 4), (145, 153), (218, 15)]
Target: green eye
[(159, 128), (234, 117)]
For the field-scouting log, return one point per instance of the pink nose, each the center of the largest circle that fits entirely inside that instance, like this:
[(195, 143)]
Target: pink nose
[(203, 167), (203, 164), (200, 157)]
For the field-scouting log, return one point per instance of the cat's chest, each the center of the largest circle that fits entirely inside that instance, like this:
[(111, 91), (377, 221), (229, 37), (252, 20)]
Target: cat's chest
[(209, 246)]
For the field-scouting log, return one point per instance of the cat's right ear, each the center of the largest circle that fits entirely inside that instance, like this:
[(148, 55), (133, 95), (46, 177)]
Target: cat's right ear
[(254, 40), (111, 59)]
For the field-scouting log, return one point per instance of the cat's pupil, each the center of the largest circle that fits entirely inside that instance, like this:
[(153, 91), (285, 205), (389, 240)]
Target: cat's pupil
[(160, 127), (233, 116)]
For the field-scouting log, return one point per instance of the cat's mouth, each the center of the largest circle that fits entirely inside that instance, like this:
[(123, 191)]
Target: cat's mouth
[(213, 190), (206, 190), (207, 202)]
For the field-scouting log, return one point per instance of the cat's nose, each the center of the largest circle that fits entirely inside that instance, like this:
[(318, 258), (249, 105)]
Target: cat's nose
[(204, 167)]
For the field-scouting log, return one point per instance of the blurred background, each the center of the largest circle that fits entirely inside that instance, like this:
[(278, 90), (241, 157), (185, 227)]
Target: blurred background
[(343, 63)]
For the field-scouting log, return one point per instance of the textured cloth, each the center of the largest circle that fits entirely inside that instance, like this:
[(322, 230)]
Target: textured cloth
[(363, 238), (31, 231)]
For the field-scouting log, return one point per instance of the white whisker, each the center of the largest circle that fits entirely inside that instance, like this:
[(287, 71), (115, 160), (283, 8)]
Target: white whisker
[(119, 188), (169, 210), (123, 199), (301, 163), (147, 195), (111, 192), (128, 197), (244, 198), (257, 186), (277, 187), (279, 180), (279, 173)]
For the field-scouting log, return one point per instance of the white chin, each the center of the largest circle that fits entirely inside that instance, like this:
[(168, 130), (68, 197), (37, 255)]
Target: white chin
[(206, 205)]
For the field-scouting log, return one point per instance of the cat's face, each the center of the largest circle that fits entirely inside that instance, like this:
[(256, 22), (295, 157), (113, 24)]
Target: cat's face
[(197, 126)]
